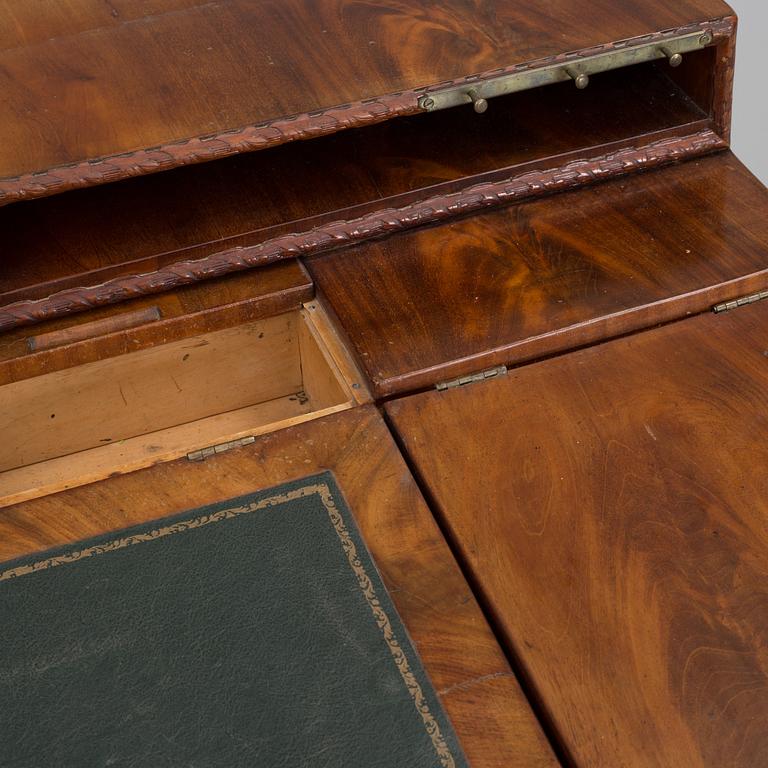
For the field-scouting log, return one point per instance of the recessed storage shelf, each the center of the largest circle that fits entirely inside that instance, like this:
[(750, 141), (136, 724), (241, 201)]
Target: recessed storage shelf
[(90, 236), (119, 414)]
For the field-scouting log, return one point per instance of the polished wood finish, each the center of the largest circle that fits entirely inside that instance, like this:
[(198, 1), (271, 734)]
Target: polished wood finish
[(610, 505), (493, 721), (173, 316), (336, 234), (550, 275), (607, 506), (77, 240), (183, 81), (119, 321)]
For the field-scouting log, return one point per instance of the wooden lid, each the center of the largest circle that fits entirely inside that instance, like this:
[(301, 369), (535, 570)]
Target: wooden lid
[(98, 91)]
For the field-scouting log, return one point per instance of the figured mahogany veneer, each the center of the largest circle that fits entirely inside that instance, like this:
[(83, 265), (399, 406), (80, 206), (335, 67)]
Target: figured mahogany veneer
[(197, 222), (473, 679), (550, 275), (99, 93), (610, 506)]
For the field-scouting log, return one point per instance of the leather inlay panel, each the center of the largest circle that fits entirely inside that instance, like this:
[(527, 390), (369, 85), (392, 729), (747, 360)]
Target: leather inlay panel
[(492, 719)]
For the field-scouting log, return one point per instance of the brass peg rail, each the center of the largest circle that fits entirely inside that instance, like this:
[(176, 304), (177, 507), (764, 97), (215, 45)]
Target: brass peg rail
[(580, 79), (579, 72), (675, 59)]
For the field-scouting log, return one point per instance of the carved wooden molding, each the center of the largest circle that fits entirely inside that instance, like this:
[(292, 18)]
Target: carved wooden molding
[(340, 233), (287, 129)]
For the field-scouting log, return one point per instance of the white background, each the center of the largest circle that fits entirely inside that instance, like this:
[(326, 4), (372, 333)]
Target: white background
[(750, 106)]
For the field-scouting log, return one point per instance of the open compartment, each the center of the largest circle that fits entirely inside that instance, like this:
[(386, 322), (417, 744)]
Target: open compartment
[(92, 236), (194, 396)]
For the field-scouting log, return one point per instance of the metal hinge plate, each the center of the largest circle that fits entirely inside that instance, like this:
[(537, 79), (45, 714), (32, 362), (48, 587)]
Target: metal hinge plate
[(491, 373), (477, 91), (211, 450), (743, 301)]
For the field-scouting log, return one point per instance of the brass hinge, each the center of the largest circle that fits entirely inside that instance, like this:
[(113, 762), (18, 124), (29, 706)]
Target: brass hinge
[(743, 301), (491, 373), (477, 92), (204, 453)]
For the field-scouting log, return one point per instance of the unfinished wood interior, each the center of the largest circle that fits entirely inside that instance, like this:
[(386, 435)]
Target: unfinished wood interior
[(118, 414), (90, 236)]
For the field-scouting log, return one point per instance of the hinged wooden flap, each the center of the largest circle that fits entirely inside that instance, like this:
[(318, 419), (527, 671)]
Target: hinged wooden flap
[(541, 277), (610, 505), (94, 92)]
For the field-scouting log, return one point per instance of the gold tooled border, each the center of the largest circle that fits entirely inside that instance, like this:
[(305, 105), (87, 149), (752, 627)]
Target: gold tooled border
[(350, 550)]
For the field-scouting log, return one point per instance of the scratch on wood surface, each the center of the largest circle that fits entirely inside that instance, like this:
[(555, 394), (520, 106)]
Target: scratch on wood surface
[(473, 682)]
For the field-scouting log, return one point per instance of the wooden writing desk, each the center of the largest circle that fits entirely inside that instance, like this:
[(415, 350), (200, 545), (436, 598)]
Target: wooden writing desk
[(492, 265)]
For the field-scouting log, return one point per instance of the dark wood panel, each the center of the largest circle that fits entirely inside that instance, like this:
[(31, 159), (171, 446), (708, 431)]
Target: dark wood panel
[(166, 317), (330, 235), (35, 21), (611, 505), (492, 718), (89, 236), (549, 275), (182, 81)]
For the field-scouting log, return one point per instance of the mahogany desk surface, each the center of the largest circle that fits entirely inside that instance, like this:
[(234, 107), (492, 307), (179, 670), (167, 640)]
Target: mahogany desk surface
[(610, 506), (139, 225), (578, 547)]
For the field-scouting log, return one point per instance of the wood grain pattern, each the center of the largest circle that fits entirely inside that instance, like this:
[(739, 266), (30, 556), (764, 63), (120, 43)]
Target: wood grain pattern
[(169, 384), (74, 240), (79, 332), (327, 236), (723, 74), (89, 101), (88, 466), (325, 333), (549, 275), (55, 425), (186, 312), (611, 506), (492, 719)]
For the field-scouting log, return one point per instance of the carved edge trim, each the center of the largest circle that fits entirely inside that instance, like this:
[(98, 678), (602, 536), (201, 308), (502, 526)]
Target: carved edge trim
[(377, 224), (283, 130)]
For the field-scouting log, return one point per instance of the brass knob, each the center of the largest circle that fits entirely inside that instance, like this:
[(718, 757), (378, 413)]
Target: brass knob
[(479, 103), (675, 59), (579, 78)]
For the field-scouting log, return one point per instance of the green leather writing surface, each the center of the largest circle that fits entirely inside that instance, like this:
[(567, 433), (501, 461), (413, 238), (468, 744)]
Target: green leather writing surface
[(253, 632)]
